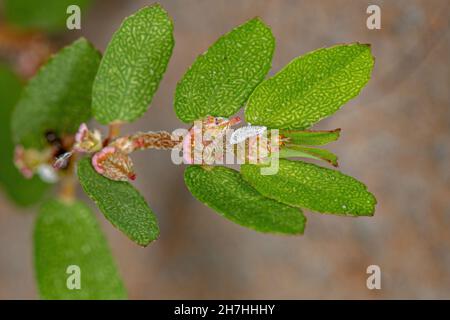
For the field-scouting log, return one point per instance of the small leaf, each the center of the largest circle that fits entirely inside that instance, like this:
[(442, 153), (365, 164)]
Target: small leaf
[(121, 204), (22, 191), (312, 153), (221, 80), (311, 87), (310, 138), (58, 98), (133, 66), (67, 234), (309, 186), (224, 190), (46, 15)]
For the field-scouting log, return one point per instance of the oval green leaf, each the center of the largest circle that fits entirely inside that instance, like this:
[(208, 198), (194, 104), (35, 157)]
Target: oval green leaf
[(309, 186), (311, 87), (45, 15), (121, 204), (68, 243), (133, 66), (310, 138), (22, 191), (311, 153), (224, 190), (58, 98), (221, 80)]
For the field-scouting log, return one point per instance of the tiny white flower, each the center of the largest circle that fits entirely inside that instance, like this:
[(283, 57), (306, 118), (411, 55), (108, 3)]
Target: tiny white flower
[(47, 173)]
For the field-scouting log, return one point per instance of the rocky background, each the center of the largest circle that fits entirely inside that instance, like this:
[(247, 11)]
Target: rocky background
[(396, 138)]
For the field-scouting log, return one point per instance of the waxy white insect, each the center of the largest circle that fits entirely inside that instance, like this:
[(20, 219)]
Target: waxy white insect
[(244, 133)]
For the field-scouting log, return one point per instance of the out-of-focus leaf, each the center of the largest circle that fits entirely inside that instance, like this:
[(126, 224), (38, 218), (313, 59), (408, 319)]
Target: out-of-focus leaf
[(310, 138), (45, 15), (67, 234), (221, 80), (309, 186), (133, 66), (311, 87), (58, 98), (121, 204), (312, 153), (224, 190), (22, 191)]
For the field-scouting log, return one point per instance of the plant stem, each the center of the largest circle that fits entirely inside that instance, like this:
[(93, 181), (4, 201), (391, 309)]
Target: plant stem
[(114, 132), (67, 189), (146, 140), (154, 140)]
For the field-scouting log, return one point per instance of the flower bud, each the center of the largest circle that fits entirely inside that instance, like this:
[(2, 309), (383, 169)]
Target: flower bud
[(87, 141), (29, 160), (113, 164)]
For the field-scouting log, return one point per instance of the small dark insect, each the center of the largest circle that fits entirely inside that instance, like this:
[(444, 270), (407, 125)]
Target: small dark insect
[(51, 137)]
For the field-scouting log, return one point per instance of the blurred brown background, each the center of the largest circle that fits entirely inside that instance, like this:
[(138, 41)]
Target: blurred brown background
[(396, 138)]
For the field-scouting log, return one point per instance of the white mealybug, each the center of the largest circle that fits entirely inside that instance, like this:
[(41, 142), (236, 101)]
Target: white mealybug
[(243, 133)]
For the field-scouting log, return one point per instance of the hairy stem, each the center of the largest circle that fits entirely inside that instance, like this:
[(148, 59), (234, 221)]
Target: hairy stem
[(146, 140), (154, 140)]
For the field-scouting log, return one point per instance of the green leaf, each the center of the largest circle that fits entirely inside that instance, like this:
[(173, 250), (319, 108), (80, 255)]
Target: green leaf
[(22, 191), (46, 15), (312, 153), (224, 190), (133, 66), (58, 98), (67, 234), (310, 138), (311, 87), (121, 204), (221, 80), (309, 186)]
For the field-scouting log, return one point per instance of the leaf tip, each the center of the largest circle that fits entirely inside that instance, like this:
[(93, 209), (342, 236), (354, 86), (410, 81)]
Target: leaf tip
[(258, 20), (368, 47)]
